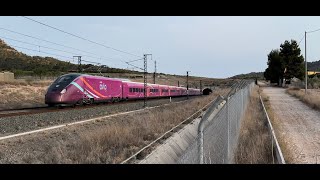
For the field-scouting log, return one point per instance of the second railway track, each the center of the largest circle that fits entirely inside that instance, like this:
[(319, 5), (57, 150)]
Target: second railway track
[(46, 109), (29, 121)]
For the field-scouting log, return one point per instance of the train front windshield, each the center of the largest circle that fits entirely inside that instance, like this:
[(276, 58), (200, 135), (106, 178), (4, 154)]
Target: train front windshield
[(63, 81)]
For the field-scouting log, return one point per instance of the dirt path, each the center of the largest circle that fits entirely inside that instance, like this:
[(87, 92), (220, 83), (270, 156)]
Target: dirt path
[(298, 124)]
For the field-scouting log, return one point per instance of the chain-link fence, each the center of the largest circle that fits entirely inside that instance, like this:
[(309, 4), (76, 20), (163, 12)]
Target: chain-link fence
[(219, 131)]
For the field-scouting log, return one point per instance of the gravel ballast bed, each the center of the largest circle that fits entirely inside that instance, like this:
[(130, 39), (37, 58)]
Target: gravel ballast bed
[(18, 124)]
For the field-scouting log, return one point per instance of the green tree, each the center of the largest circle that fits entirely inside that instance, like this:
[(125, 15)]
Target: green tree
[(293, 60), (39, 71), (286, 63), (275, 69)]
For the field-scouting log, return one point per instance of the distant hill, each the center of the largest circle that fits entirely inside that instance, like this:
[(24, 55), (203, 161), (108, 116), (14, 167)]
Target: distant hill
[(252, 75), (314, 66), (23, 64)]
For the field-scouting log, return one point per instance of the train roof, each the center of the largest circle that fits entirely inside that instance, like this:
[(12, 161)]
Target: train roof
[(124, 80)]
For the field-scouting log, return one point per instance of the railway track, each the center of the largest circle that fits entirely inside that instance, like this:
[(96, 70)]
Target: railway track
[(33, 132), (46, 109), (33, 119), (86, 120)]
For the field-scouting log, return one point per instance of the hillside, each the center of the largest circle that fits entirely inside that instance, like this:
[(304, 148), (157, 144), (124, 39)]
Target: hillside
[(22, 64), (314, 66), (252, 75)]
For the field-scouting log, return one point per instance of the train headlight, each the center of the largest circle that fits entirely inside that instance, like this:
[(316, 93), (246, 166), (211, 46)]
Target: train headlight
[(63, 91)]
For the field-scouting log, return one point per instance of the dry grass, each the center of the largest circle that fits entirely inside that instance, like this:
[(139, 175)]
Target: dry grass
[(254, 146), (312, 98), (115, 139), (283, 143), (19, 95)]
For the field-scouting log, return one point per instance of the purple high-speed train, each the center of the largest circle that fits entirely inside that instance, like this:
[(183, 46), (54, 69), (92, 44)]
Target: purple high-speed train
[(76, 89)]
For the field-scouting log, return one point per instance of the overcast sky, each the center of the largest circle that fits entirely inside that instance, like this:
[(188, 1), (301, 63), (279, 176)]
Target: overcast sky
[(214, 46)]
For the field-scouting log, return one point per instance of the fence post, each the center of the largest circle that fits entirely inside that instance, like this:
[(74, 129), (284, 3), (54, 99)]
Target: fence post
[(201, 153), (201, 127), (228, 120)]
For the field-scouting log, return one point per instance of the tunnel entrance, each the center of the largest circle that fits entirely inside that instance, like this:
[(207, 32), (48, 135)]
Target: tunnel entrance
[(206, 91)]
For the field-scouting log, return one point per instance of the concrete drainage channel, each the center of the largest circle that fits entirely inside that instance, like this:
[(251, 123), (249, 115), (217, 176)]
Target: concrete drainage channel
[(210, 137), (176, 140), (170, 151)]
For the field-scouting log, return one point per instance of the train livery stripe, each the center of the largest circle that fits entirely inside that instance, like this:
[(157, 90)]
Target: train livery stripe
[(80, 88), (90, 87), (92, 94)]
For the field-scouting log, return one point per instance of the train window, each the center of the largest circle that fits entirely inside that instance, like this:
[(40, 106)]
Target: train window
[(130, 90)]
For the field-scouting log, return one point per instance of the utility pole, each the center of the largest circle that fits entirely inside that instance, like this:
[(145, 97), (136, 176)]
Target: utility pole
[(305, 57), (178, 84), (79, 63), (187, 84), (200, 86), (145, 78), (155, 71)]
